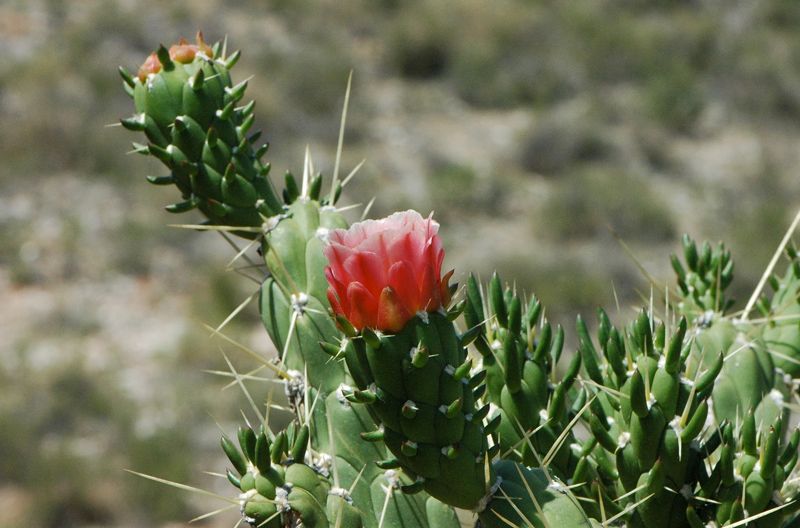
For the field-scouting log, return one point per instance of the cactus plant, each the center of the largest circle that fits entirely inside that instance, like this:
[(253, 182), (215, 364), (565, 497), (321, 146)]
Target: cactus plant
[(413, 399)]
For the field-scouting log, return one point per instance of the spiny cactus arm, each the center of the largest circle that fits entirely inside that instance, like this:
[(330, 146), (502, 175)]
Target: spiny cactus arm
[(429, 416), (782, 330), (530, 497), (703, 277), (751, 476), (186, 105), (521, 377), (748, 379), (277, 487), (650, 418)]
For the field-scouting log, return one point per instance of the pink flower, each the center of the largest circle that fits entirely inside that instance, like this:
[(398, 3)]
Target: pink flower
[(382, 272)]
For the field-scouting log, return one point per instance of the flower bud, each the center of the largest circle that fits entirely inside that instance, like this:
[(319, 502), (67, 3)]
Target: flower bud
[(182, 52), (150, 65)]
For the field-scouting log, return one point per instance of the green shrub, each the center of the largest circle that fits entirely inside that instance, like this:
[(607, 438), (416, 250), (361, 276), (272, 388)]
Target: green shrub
[(590, 202)]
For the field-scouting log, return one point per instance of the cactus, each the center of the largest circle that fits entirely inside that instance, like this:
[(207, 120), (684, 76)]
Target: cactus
[(410, 403), (520, 352), (175, 92), (782, 334), (277, 487), (187, 107)]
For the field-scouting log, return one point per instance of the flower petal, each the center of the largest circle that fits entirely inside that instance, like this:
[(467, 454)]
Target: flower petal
[(367, 268), (392, 316), (404, 284), (363, 306)]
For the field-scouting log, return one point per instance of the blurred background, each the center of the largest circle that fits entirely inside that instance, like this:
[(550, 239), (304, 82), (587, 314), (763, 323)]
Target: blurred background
[(536, 130)]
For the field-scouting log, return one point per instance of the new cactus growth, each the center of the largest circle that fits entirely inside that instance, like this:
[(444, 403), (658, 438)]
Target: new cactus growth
[(412, 399), (195, 122)]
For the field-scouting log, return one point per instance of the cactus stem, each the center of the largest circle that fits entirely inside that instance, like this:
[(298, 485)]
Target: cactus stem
[(247, 109), (451, 451), (230, 172), (212, 136), (477, 379), (481, 413), (363, 396), (415, 487), (246, 125), (371, 338), (161, 180), (462, 371), (162, 154), (127, 77), (135, 123), (236, 92), (492, 426), (330, 349), (182, 207)]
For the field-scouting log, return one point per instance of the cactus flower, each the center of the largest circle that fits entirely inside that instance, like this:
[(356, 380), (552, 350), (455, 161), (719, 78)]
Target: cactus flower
[(383, 272)]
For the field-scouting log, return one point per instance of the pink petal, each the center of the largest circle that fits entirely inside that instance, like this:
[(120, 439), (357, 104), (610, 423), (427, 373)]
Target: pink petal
[(337, 288), (368, 269), (404, 284), (363, 306), (336, 255), (336, 306), (428, 290), (392, 317), (406, 247)]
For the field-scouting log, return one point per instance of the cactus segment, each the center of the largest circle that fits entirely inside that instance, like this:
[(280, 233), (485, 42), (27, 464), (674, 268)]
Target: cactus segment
[(708, 272), (428, 412), (520, 375), (187, 111), (284, 490), (526, 497), (782, 332)]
